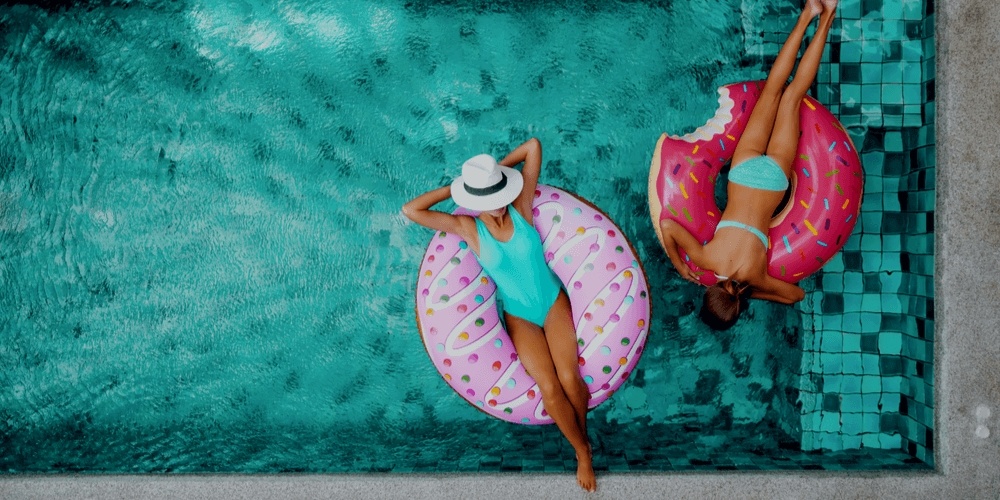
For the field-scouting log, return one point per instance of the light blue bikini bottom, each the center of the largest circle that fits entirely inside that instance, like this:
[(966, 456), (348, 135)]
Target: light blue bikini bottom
[(760, 172), (752, 230)]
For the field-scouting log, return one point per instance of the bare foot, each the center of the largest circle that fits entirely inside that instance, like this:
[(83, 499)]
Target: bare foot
[(830, 5), (585, 471), (813, 8)]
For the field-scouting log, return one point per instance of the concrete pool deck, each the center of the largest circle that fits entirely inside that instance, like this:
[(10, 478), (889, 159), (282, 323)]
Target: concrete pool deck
[(967, 353)]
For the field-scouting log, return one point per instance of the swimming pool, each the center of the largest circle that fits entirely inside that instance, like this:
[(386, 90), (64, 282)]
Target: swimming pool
[(208, 270)]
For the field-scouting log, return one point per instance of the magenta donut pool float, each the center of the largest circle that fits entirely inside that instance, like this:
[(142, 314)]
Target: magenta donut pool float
[(460, 325), (827, 184)]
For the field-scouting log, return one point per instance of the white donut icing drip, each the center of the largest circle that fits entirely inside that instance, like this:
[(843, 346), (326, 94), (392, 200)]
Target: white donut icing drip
[(558, 209), (433, 299), (502, 381), (452, 338), (639, 340), (436, 304), (571, 242), (716, 124), (604, 294)]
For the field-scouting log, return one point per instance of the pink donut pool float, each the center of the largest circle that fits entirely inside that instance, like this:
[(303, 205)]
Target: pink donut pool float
[(827, 184), (461, 328)]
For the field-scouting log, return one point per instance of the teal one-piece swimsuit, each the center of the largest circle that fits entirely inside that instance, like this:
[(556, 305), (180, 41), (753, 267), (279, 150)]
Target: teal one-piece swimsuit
[(525, 283)]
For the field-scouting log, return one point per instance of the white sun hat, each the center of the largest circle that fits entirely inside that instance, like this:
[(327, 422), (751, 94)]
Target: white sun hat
[(485, 184)]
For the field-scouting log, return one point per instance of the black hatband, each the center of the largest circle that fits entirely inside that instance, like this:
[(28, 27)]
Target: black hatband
[(486, 191)]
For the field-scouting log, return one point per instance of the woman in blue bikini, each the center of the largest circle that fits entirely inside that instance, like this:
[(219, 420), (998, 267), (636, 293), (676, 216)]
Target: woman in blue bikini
[(536, 308), (758, 179)]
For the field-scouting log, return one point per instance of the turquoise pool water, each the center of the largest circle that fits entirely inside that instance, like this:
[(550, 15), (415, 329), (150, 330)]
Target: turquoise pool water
[(205, 269)]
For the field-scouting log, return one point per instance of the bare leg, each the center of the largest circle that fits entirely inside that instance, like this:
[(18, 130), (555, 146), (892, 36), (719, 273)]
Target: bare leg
[(758, 131), (560, 334), (533, 351), (785, 138)]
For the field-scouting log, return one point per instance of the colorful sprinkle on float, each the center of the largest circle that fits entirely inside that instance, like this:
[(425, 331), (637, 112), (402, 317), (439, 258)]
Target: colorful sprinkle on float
[(827, 184), (460, 324)]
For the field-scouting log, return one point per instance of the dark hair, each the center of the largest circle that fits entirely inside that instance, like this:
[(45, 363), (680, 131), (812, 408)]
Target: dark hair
[(724, 301)]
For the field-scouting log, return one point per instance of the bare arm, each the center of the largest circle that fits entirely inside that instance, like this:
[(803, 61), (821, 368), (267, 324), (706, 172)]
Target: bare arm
[(778, 291), (531, 154), (676, 237), (419, 210)]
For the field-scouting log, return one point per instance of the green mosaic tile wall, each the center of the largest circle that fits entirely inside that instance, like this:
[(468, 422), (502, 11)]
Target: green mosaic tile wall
[(868, 322)]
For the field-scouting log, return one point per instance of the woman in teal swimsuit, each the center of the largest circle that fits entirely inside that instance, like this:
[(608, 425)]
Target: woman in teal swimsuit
[(758, 179), (536, 308)]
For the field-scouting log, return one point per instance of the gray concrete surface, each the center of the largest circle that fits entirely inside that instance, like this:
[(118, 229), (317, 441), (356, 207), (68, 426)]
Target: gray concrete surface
[(967, 342)]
